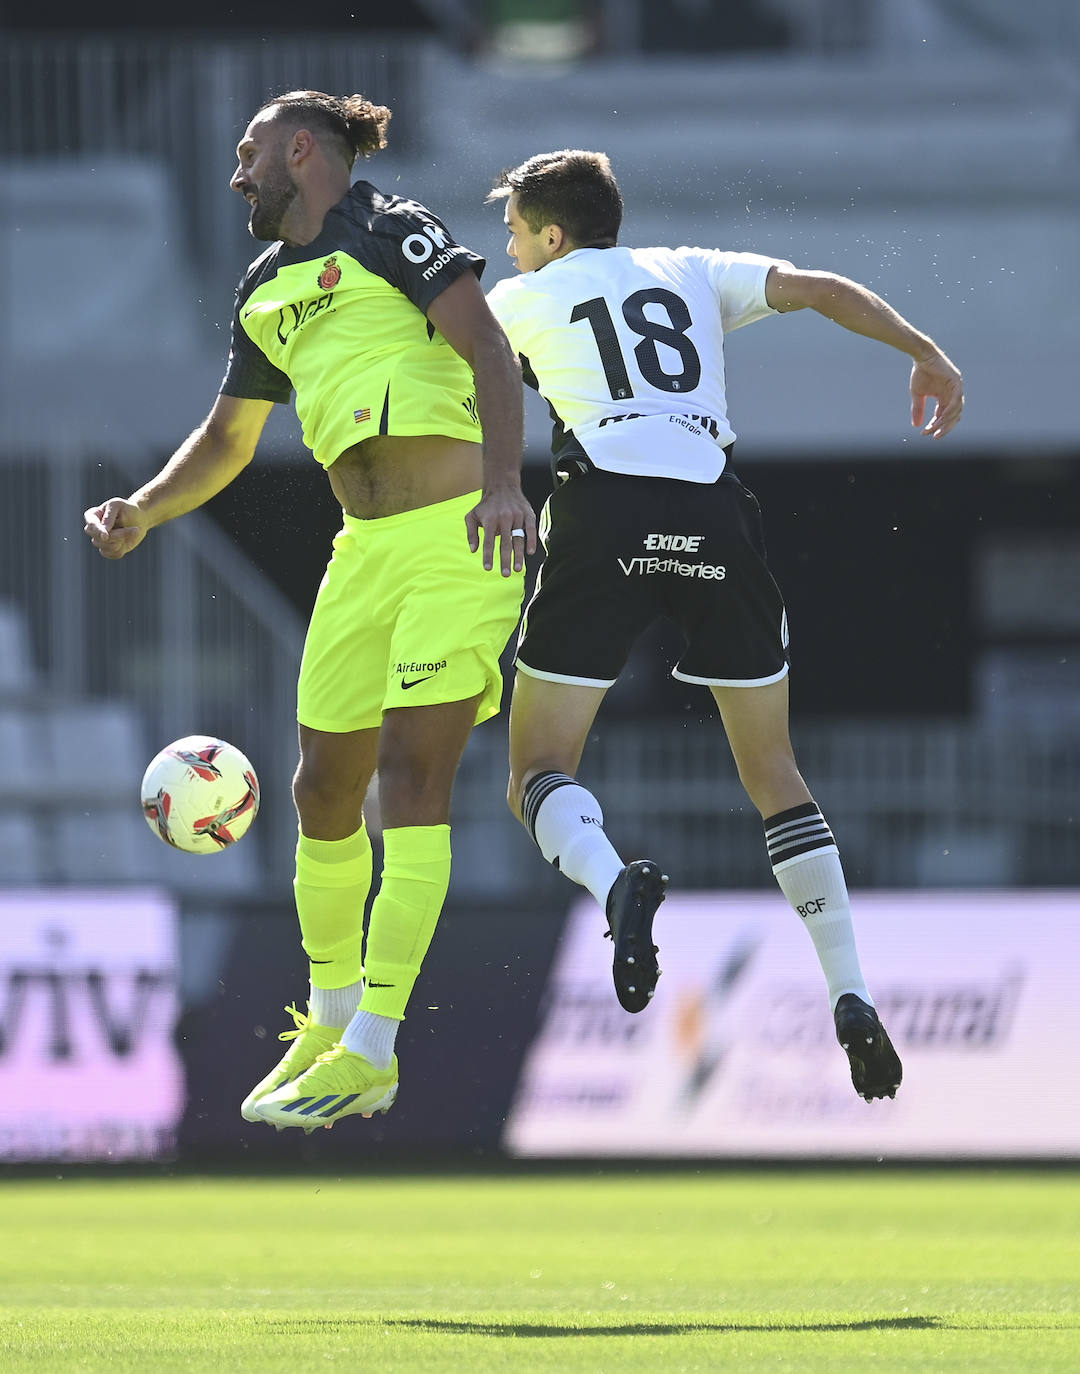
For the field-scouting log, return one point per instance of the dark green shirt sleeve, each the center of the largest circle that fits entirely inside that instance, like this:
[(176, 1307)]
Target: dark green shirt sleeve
[(249, 373)]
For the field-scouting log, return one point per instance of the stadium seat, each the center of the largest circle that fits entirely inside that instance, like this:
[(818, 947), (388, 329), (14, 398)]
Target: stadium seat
[(232, 873), (102, 846), (27, 775), (17, 672), (114, 845), (20, 850), (96, 751)]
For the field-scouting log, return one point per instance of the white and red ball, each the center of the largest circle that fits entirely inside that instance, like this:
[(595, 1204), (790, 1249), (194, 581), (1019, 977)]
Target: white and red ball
[(200, 794)]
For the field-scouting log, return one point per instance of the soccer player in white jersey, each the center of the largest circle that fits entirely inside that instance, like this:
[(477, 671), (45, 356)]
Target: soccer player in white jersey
[(647, 519)]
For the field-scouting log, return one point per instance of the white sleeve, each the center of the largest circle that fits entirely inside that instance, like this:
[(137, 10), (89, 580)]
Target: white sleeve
[(738, 280), (500, 301)]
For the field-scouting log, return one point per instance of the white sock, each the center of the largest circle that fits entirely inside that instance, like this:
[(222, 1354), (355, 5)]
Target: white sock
[(567, 824), (806, 864), (334, 1006), (373, 1036)]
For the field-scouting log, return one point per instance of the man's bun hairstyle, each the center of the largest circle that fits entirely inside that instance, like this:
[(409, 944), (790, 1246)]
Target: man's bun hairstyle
[(354, 123)]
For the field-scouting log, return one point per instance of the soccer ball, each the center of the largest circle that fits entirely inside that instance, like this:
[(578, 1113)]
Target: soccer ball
[(200, 794)]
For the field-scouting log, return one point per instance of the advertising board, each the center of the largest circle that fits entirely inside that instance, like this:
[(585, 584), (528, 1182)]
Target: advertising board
[(736, 1056), (88, 1009)]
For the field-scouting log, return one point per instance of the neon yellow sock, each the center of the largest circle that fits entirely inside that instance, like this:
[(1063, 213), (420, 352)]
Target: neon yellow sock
[(416, 874), (333, 878)]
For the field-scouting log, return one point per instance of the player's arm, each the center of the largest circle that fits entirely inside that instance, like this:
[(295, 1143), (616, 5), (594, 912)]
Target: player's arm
[(463, 317), (205, 462), (858, 309)]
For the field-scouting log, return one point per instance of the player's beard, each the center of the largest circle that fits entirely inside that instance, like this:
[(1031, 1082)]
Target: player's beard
[(273, 198)]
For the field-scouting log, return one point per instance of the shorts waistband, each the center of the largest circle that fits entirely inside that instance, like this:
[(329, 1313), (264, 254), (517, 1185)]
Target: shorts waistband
[(438, 509)]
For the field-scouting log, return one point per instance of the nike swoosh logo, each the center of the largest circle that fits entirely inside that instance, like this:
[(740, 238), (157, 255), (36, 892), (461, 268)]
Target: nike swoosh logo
[(379, 985), (406, 685)]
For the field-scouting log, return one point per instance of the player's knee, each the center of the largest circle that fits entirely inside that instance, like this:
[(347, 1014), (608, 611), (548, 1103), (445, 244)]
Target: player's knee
[(773, 783), (324, 799), (414, 790)]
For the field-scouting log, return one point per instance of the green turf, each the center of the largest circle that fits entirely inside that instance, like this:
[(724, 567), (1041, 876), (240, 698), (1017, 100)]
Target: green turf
[(709, 1270)]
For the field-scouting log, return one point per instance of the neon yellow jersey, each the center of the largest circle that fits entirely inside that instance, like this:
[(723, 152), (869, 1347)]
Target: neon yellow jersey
[(342, 321)]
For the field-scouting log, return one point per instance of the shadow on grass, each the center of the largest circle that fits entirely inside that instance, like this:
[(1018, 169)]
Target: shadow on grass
[(526, 1329)]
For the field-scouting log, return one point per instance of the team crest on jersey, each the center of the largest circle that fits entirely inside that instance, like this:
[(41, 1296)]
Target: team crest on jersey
[(330, 275)]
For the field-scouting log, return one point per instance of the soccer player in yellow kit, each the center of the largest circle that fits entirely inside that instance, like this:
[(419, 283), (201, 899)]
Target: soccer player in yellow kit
[(410, 397)]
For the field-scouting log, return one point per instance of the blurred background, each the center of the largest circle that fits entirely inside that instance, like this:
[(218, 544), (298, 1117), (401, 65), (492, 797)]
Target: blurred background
[(929, 149)]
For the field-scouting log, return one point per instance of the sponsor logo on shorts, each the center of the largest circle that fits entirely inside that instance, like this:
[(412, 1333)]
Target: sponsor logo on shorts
[(412, 674), (677, 543), (645, 567)]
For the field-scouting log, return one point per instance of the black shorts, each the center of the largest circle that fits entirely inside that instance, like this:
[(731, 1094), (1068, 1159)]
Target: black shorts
[(624, 551)]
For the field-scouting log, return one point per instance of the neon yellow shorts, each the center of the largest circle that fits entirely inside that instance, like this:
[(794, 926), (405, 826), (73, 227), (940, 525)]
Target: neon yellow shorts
[(406, 616)]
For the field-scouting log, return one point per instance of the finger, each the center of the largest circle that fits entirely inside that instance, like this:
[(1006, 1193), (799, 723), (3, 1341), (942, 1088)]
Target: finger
[(110, 548), (526, 532), (472, 527), (945, 422), (918, 409), (518, 537), (95, 520), (110, 513), (116, 543), (952, 409), (946, 414), (489, 548), (512, 551)]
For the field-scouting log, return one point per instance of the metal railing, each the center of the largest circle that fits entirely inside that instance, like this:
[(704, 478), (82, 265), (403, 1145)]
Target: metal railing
[(912, 804), (184, 631), (194, 639)]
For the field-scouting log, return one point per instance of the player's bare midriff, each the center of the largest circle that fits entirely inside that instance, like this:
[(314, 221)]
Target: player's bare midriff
[(388, 473)]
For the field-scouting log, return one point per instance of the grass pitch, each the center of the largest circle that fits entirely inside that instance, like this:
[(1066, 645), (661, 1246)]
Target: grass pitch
[(601, 1272)]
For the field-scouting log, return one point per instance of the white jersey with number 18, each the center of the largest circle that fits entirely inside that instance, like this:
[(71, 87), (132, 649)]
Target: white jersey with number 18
[(626, 345)]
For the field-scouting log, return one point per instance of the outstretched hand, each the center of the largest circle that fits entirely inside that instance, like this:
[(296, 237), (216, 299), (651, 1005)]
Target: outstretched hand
[(507, 516), (939, 379), (115, 528)]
